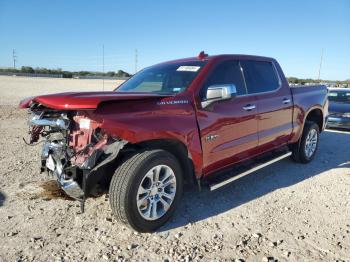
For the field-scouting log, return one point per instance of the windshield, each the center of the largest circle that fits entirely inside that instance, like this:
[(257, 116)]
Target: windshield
[(339, 96), (166, 78)]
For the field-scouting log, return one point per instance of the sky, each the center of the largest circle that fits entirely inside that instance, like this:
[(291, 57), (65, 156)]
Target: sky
[(71, 34)]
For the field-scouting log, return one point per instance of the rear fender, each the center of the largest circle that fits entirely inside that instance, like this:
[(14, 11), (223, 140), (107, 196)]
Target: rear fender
[(300, 121)]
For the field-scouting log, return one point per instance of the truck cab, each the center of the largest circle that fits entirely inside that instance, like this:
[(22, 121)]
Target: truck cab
[(259, 110)]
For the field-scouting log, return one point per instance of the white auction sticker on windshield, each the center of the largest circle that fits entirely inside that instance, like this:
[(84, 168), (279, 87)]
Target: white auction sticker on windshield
[(188, 68)]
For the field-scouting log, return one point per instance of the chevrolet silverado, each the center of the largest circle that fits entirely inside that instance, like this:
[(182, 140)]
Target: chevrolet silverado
[(180, 121)]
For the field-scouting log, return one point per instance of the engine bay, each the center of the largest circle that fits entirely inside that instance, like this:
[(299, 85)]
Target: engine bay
[(74, 146)]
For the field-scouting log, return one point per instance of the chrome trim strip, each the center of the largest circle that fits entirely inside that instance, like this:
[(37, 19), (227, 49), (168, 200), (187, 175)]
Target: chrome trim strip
[(249, 107), (243, 76), (286, 101), (223, 183)]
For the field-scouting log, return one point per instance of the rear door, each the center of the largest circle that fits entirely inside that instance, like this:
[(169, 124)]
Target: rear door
[(228, 128), (274, 103)]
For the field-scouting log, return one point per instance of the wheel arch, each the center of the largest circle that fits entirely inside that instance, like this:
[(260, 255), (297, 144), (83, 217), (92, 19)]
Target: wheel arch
[(176, 148), (101, 178), (315, 115)]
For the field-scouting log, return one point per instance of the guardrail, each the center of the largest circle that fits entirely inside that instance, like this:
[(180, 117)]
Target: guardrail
[(61, 76), (31, 75)]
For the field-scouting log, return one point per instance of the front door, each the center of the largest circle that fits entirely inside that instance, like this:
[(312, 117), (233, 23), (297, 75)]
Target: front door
[(229, 129)]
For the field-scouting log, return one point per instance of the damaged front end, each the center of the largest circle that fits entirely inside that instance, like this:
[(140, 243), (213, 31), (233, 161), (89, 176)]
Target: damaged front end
[(76, 150)]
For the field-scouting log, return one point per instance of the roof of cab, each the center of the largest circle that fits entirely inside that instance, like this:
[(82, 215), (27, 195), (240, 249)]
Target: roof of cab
[(219, 57)]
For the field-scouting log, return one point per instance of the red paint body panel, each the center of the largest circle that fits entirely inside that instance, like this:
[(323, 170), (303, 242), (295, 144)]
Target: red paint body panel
[(139, 117), (306, 99), (237, 132), (275, 118), (149, 120)]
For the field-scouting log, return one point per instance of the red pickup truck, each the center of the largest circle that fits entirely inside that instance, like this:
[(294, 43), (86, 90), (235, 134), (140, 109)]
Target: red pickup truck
[(183, 120)]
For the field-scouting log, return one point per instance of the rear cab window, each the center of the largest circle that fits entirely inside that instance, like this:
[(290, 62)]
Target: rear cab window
[(260, 76)]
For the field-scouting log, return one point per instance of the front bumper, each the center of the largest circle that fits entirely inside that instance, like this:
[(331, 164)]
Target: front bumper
[(77, 181), (71, 187), (52, 157), (338, 122)]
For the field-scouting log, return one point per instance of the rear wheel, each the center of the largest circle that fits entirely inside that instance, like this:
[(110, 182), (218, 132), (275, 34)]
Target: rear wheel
[(304, 151), (145, 189)]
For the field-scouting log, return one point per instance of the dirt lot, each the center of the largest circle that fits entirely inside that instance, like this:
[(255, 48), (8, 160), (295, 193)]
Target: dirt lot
[(286, 212)]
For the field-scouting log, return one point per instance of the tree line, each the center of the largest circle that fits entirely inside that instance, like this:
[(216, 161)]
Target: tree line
[(65, 74), (301, 81)]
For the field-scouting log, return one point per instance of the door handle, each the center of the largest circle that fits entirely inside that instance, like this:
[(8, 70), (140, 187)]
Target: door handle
[(286, 101), (249, 107)]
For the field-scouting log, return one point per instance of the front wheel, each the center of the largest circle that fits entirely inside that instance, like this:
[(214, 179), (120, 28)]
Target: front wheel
[(145, 189), (304, 151)]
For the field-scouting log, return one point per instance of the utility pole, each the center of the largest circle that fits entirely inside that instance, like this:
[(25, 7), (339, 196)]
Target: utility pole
[(319, 69), (14, 56), (103, 67), (136, 61)]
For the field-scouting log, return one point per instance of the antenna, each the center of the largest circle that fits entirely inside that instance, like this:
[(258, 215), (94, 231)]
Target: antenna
[(136, 61), (14, 56), (319, 69), (103, 67)]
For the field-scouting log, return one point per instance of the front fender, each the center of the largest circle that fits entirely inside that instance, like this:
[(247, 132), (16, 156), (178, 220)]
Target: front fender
[(137, 123)]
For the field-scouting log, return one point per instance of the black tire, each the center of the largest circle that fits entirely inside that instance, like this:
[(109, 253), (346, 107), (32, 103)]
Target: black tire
[(125, 183), (298, 149)]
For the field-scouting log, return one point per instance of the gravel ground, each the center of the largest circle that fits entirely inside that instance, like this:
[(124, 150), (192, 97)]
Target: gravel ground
[(285, 212)]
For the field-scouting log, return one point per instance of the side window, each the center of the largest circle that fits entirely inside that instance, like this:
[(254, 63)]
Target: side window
[(260, 76), (228, 72)]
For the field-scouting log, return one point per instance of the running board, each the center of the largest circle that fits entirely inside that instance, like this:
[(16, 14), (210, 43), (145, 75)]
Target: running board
[(247, 172)]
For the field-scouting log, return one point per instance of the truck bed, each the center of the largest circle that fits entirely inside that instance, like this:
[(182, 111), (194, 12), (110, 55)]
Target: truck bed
[(308, 96)]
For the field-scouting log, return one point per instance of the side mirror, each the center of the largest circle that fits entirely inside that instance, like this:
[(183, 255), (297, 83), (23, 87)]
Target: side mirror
[(219, 93)]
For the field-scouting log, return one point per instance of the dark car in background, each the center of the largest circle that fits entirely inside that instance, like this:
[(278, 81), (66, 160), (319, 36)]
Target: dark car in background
[(339, 108)]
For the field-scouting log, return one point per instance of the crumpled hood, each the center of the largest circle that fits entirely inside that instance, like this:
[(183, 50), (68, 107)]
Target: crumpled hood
[(84, 100)]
